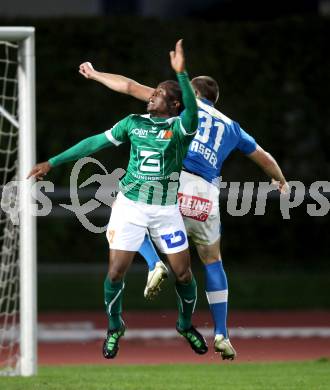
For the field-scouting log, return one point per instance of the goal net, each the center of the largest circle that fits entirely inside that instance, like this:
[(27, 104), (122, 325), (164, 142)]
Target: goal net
[(17, 231)]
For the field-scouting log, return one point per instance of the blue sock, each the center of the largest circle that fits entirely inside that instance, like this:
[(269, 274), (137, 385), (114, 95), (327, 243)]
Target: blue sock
[(216, 288), (148, 251)]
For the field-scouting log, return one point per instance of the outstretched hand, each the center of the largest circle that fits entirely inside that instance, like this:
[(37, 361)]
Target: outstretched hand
[(177, 58), (40, 170), (87, 70), (283, 187)]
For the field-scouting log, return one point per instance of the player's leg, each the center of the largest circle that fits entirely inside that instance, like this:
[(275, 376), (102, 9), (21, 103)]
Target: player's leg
[(203, 228), (185, 286), (149, 253), (186, 290), (216, 285), (157, 269), (216, 288), (169, 234), (125, 235), (119, 262)]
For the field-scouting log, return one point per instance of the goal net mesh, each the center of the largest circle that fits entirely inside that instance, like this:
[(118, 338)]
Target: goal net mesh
[(9, 232)]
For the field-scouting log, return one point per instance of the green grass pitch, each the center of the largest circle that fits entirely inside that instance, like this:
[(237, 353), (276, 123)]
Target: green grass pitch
[(312, 375)]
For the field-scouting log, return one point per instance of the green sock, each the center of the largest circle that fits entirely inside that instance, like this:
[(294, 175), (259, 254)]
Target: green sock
[(186, 298), (113, 295)]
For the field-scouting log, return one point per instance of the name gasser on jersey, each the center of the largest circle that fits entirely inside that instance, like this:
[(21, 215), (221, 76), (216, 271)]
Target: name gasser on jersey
[(206, 152)]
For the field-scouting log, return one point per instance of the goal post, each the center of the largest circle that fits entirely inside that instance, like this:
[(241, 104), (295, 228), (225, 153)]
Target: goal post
[(22, 118)]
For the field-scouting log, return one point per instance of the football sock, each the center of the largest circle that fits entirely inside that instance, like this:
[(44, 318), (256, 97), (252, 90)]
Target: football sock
[(216, 288), (113, 294), (148, 251), (186, 299)]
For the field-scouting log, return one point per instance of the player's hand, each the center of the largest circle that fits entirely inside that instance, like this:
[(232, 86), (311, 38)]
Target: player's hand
[(87, 70), (177, 58), (283, 187), (40, 170)]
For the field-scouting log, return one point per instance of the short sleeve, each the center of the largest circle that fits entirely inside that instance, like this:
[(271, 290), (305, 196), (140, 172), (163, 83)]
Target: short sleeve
[(118, 134), (247, 144)]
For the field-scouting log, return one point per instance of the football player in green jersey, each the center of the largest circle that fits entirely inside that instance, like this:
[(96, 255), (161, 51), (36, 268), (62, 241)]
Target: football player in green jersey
[(147, 197), (198, 193)]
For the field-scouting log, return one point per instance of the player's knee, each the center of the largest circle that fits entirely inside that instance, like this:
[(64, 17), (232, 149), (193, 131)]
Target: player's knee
[(209, 253), (116, 274), (210, 259), (184, 276)]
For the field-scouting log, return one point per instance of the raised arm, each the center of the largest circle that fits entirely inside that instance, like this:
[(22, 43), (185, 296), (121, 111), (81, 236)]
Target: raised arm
[(117, 82), (190, 114), (269, 165), (82, 149)]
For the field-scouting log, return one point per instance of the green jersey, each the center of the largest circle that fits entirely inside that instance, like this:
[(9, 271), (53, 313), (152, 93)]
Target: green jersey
[(158, 147)]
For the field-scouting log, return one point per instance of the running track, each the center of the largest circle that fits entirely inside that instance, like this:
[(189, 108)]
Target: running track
[(175, 350)]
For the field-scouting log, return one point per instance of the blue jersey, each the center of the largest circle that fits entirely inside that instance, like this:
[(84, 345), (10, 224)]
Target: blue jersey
[(217, 136)]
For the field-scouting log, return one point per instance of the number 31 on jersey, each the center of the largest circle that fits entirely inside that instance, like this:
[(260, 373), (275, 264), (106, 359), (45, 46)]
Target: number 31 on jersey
[(208, 138)]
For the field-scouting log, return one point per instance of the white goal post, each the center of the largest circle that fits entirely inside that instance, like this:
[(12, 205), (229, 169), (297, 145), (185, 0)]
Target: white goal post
[(23, 120)]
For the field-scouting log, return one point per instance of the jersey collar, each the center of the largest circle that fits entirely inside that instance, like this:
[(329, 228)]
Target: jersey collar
[(157, 120), (206, 101)]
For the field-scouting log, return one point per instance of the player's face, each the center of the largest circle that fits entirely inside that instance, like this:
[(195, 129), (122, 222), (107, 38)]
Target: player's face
[(158, 101)]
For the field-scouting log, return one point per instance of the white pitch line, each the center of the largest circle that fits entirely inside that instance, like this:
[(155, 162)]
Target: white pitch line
[(85, 334), (85, 331)]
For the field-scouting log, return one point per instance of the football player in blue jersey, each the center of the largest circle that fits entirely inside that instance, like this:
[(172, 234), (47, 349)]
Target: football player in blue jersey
[(198, 195)]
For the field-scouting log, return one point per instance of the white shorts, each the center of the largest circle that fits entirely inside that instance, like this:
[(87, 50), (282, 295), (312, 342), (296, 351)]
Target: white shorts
[(199, 205), (130, 221)]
